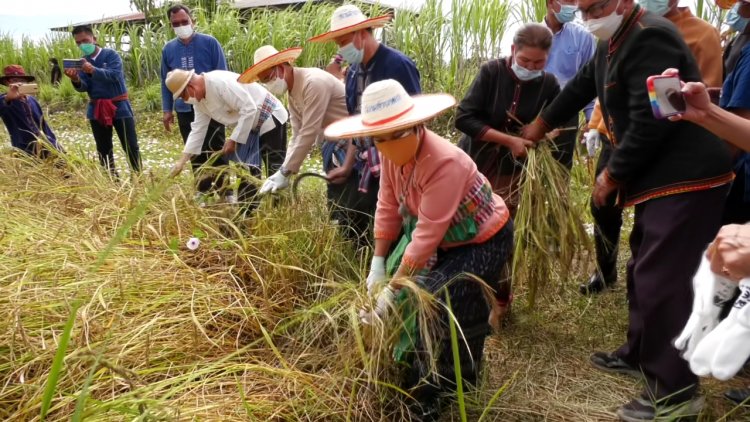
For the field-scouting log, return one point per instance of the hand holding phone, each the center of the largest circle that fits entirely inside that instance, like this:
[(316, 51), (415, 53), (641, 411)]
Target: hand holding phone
[(665, 93), (72, 64), (28, 89)]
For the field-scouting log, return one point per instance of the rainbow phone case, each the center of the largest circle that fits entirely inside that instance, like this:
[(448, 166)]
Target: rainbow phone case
[(659, 113)]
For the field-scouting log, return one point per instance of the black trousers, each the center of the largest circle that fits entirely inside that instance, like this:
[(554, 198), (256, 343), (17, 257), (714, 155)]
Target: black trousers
[(607, 224), (736, 210), (207, 177), (669, 235), (273, 148), (125, 129), (354, 210), (248, 190)]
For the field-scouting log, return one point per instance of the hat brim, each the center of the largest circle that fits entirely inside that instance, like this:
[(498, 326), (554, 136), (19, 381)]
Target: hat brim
[(377, 22), (184, 85), (425, 108), (287, 56), (27, 78)]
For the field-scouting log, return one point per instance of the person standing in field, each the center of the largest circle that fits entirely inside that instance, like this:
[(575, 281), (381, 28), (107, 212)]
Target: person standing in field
[(22, 115), (103, 78), (191, 50), (703, 41), (668, 172), (355, 181), (316, 99), (55, 72), (257, 115), (572, 47), (451, 236)]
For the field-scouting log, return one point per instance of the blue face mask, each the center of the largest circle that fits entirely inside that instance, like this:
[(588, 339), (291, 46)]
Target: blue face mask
[(735, 21), (566, 14), (659, 7), (525, 74), (352, 54)]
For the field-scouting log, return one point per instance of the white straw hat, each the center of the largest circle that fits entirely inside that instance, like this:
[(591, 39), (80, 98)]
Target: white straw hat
[(349, 18), (177, 80), (267, 57), (386, 108)]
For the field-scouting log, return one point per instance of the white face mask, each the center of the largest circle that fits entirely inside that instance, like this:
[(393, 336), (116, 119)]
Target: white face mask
[(604, 28), (525, 74), (184, 32), (277, 87)]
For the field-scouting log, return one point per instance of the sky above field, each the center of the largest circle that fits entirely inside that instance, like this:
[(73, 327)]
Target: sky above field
[(33, 18)]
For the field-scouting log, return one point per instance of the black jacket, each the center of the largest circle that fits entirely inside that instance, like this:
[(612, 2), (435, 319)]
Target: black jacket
[(651, 157), (496, 92)]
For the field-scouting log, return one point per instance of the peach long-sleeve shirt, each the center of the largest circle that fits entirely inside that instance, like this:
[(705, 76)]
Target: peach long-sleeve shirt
[(442, 177)]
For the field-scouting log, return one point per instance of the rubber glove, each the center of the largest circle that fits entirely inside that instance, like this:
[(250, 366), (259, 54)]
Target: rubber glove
[(384, 301), (275, 182), (711, 292), (377, 273), (725, 349), (593, 140), (179, 165)]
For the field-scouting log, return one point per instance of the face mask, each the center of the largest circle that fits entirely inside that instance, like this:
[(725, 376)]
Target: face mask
[(735, 21), (524, 74), (277, 87), (400, 151), (604, 28), (87, 48), (184, 32), (352, 54), (566, 14), (659, 7), (191, 101)]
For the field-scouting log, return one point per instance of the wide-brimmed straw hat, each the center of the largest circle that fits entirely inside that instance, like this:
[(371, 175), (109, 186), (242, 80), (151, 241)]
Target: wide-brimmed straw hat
[(387, 108), (177, 80), (14, 71), (728, 4), (349, 18), (267, 57)]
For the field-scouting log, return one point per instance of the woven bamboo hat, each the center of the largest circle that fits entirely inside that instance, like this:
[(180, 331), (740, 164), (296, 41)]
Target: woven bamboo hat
[(349, 18), (267, 57)]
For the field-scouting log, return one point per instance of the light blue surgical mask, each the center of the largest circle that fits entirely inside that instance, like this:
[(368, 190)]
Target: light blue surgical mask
[(525, 74), (659, 7), (735, 21), (566, 14), (352, 54)]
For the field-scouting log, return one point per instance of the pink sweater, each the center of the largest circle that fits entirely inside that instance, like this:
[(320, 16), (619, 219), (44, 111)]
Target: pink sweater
[(443, 177)]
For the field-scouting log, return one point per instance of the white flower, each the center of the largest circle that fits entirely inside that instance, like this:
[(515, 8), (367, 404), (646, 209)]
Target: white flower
[(193, 243)]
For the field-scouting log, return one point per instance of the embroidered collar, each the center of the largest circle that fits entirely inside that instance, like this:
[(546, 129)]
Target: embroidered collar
[(617, 39)]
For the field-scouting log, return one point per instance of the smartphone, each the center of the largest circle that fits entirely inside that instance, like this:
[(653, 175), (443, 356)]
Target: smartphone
[(28, 89), (72, 63), (665, 93)]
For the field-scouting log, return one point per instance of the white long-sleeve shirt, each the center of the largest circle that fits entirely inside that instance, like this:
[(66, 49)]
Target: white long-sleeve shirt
[(316, 100), (231, 104)]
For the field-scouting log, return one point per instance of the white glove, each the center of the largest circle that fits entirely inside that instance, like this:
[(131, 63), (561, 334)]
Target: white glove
[(377, 273), (711, 292), (384, 301), (593, 140), (726, 349), (275, 182)]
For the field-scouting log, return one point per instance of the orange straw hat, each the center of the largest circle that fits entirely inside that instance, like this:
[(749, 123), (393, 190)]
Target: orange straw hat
[(727, 4), (265, 58), (387, 108), (349, 18)]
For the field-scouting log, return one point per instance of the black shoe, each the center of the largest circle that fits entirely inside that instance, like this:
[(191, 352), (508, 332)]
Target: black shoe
[(608, 362), (596, 284), (739, 396), (642, 410)]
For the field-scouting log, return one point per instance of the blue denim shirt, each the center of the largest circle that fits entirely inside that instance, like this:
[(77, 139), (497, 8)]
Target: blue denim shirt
[(735, 94)]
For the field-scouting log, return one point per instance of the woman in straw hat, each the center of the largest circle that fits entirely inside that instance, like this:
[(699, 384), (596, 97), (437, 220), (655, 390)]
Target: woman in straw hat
[(316, 99), (455, 228)]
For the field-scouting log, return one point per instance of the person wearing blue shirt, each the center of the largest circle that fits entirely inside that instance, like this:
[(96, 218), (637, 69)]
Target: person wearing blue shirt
[(22, 115), (357, 178), (191, 50), (102, 77), (572, 47), (735, 97)]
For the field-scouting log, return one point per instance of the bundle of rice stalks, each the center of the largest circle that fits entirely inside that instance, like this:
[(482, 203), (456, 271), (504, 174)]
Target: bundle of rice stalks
[(105, 315), (549, 229)]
